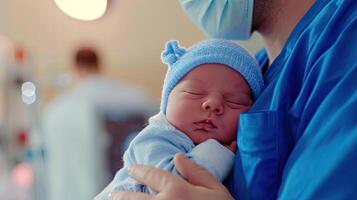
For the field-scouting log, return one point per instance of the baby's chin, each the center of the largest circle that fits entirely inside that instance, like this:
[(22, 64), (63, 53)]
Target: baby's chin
[(199, 137)]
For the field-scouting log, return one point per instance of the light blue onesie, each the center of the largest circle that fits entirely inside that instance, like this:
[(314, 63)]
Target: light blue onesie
[(156, 146)]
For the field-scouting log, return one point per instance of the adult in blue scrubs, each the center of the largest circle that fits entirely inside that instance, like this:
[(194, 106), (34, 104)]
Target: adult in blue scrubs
[(299, 140)]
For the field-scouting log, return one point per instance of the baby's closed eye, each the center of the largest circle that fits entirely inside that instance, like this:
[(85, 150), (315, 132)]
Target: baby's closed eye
[(235, 103), (193, 94)]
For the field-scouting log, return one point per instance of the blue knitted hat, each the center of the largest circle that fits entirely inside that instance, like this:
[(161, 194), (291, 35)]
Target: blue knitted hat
[(181, 61)]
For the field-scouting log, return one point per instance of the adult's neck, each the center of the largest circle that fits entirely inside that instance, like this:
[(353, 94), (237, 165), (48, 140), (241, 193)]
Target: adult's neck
[(281, 19)]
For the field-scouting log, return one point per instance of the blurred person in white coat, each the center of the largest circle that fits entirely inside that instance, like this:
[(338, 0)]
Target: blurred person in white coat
[(75, 138)]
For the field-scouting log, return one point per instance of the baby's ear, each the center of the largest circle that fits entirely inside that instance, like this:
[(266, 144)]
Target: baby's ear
[(172, 52)]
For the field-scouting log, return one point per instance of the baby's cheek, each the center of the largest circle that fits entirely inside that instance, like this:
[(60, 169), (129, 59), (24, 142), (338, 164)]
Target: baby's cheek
[(228, 137), (229, 134)]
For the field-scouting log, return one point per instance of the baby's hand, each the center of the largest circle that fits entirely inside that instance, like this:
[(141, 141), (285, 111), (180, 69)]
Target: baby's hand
[(232, 146)]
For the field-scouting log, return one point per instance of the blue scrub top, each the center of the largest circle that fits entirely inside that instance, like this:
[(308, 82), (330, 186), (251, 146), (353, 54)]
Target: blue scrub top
[(299, 140)]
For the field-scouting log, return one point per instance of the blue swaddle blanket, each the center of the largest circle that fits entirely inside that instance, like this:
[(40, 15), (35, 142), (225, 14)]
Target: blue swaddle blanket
[(156, 146)]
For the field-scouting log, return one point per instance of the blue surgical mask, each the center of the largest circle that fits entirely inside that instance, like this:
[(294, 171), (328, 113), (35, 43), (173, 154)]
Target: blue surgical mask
[(226, 19)]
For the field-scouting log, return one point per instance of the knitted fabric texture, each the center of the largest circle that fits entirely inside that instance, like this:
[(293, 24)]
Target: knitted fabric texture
[(181, 61)]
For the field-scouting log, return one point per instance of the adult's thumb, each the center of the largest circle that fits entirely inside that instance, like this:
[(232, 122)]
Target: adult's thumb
[(194, 173)]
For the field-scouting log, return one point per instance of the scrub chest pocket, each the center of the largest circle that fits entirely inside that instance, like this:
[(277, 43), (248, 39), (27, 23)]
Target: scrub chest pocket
[(263, 148)]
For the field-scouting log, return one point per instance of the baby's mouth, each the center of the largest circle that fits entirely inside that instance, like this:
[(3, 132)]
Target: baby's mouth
[(205, 125)]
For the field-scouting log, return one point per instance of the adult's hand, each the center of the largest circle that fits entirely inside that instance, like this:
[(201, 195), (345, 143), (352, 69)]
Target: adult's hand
[(200, 183)]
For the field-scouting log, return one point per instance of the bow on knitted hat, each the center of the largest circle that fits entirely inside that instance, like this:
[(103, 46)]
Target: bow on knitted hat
[(172, 52)]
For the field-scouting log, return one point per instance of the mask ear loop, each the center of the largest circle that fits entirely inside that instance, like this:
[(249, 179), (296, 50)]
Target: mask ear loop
[(172, 52)]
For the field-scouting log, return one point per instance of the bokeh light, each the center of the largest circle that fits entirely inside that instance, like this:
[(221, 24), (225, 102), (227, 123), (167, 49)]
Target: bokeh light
[(83, 9)]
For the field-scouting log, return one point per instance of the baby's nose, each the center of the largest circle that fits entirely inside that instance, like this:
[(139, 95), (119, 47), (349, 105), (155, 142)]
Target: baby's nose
[(213, 105)]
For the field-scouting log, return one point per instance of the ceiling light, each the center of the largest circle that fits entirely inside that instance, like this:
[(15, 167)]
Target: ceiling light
[(83, 9)]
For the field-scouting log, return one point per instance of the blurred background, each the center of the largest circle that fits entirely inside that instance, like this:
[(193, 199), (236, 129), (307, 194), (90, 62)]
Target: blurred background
[(76, 85)]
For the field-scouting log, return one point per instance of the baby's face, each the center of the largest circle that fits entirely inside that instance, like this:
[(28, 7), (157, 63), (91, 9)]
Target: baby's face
[(206, 103)]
